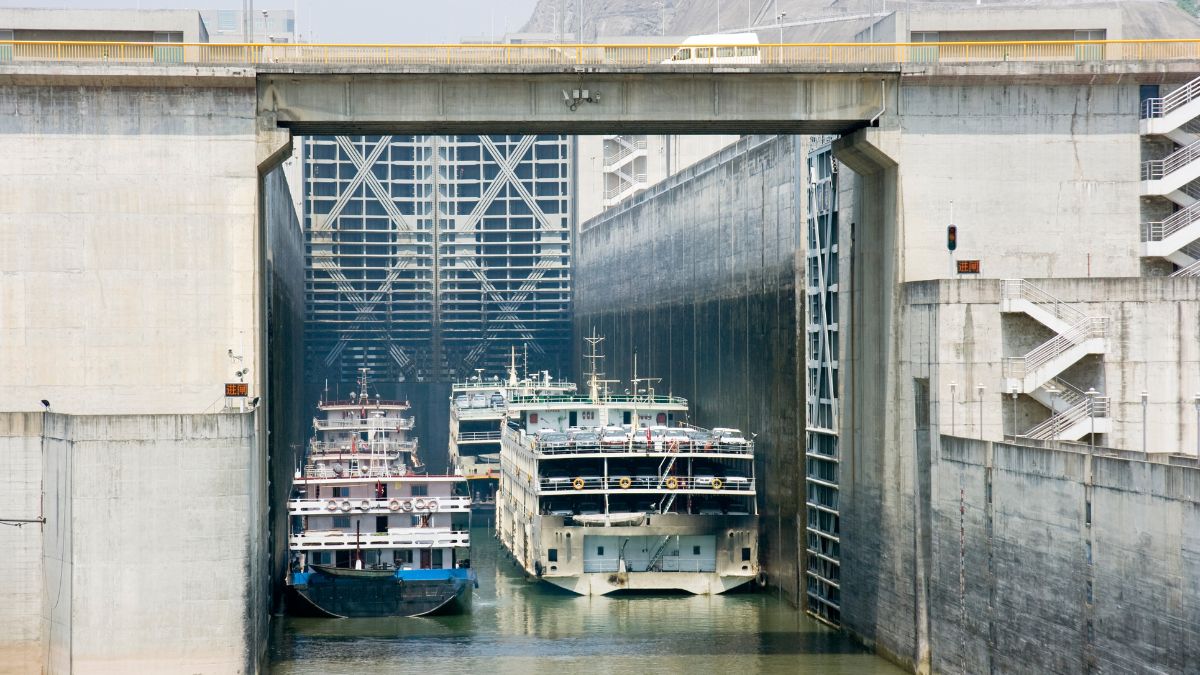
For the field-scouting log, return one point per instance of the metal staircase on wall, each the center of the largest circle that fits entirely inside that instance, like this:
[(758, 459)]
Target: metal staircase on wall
[(621, 156), (1175, 177), (1073, 413)]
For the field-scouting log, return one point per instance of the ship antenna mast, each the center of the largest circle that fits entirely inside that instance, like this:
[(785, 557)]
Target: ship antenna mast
[(594, 364), (512, 367), (362, 384)]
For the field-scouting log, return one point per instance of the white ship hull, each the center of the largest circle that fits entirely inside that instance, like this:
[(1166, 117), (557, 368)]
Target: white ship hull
[(603, 583)]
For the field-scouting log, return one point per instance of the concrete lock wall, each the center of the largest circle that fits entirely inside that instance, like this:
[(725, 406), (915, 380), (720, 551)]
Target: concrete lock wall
[(288, 416), (698, 277), (1044, 185), (1054, 560), (1028, 168), (119, 577), (126, 243), (955, 332), (148, 252)]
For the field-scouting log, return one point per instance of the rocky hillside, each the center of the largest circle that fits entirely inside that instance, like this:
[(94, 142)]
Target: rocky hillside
[(811, 20)]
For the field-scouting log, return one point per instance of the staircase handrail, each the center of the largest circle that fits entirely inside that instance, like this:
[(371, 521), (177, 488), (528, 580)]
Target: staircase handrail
[(1192, 270), (1066, 391), (1048, 428), (1154, 169), (626, 187), (1165, 105), (1159, 230), (624, 150), (1090, 327), (1020, 289)]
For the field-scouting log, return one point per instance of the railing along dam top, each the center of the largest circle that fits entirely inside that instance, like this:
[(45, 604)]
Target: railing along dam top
[(619, 55)]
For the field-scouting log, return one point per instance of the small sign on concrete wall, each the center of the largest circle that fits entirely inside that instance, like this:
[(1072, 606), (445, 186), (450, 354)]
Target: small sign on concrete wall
[(968, 267), (237, 389)]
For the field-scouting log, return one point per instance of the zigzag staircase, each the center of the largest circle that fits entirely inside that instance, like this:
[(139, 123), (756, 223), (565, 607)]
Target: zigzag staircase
[(1175, 177), (620, 162), (1073, 414)]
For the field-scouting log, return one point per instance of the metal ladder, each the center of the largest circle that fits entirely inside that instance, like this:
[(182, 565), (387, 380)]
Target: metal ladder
[(664, 468), (655, 564)]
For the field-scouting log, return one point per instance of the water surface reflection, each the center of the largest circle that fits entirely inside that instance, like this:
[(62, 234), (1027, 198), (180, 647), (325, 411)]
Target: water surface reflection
[(526, 629)]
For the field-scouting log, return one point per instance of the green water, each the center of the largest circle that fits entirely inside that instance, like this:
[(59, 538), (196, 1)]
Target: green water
[(527, 628)]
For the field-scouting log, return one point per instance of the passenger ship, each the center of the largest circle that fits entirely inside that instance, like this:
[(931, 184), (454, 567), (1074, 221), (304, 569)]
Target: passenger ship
[(478, 412), (372, 534), (604, 493)]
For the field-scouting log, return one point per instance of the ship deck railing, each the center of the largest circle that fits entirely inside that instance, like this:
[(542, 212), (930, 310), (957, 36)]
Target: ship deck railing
[(476, 436), (342, 505), (645, 484), (463, 412), (665, 564), (410, 537), (653, 448), (368, 402), (381, 449), (367, 424), (313, 472), (625, 399)]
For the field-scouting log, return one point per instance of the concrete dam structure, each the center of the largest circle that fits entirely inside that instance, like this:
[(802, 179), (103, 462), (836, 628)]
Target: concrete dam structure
[(709, 278), (152, 254)]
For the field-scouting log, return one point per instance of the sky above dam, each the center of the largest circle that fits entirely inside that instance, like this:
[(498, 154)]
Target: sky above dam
[(354, 20)]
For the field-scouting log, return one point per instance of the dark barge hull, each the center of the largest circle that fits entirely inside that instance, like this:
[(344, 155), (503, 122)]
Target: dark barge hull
[(342, 593)]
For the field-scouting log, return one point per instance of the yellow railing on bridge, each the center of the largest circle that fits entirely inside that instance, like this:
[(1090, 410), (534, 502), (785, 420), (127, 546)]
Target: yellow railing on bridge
[(596, 54)]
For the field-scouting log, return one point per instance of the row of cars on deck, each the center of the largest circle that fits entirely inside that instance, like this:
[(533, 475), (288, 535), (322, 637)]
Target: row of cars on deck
[(480, 400)]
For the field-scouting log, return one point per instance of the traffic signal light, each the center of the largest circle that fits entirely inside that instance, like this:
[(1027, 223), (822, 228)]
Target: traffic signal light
[(951, 237)]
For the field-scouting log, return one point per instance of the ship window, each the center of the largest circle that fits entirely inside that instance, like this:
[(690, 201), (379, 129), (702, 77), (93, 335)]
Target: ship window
[(381, 523), (341, 521), (552, 555), (745, 554), (420, 490), (599, 550), (341, 492), (695, 550), (437, 559)]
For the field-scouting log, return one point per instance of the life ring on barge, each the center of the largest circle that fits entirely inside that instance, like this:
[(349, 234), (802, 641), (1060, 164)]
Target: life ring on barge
[(332, 505), (432, 505), (577, 483), (717, 483), (364, 504), (345, 506), (408, 505), (419, 504), (672, 482), (394, 505), (625, 482)]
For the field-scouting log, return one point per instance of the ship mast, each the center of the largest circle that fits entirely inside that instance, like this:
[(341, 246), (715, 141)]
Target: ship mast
[(513, 368), (594, 358)]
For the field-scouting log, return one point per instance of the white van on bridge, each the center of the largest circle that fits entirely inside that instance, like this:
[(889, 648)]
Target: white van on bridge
[(725, 48)]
